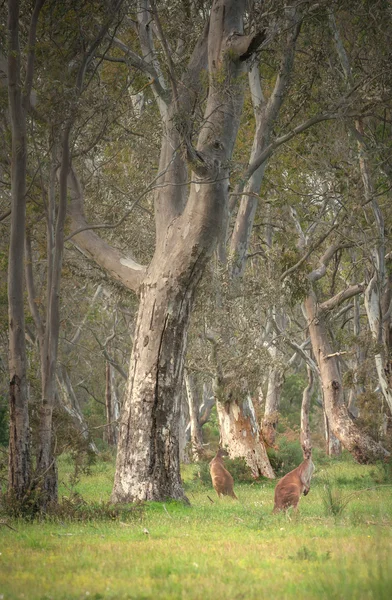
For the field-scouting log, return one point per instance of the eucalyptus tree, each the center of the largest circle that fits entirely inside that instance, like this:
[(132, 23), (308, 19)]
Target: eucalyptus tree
[(295, 28), (190, 208), (375, 201), (19, 91), (50, 113), (332, 103)]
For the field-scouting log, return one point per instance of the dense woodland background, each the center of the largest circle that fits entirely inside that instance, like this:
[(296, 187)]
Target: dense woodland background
[(118, 133)]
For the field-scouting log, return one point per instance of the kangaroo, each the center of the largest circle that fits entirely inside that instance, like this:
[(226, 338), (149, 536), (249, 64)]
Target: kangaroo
[(289, 489), (222, 481)]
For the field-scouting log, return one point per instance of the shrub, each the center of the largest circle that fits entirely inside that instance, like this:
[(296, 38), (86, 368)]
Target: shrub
[(382, 472), (75, 508), (69, 508), (287, 457), (333, 499)]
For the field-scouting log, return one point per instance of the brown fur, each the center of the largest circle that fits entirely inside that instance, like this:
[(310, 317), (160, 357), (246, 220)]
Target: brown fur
[(221, 479), (289, 489)]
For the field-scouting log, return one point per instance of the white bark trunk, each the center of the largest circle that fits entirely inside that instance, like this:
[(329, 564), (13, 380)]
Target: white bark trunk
[(196, 433), (148, 451), (333, 446), (240, 435), (69, 402), (148, 466)]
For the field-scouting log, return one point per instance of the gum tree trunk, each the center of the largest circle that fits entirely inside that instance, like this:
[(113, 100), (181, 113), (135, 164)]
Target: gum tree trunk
[(359, 444), (148, 466), (110, 430), (19, 466), (187, 230), (240, 434)]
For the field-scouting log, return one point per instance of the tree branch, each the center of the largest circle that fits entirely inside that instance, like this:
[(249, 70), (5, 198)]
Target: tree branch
[(142, 65), (349, 292), (312, 248), (123, 269)]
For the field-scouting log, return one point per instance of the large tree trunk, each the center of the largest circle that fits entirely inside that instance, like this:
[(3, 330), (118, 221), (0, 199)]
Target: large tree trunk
[(333, 447), (359, 444), (19, 467), (240, 434), (148, 465)]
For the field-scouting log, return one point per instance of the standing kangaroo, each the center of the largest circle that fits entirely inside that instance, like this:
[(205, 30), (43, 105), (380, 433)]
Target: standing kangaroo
[(222, 481), (289, 489)]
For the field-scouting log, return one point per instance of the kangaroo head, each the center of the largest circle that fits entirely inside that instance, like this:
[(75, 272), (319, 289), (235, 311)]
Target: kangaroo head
[(222, 452)]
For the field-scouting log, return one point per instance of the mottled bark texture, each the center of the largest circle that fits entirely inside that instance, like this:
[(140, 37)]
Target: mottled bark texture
[(187, 233), (240, 434)]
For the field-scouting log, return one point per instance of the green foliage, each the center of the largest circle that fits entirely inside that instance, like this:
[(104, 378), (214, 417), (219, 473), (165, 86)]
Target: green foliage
[(382, 472), (291, 400), (333, 498), (287, 457), (75, 508)]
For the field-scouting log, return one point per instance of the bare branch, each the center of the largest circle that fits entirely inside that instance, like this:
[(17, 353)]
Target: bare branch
[(142, 65), (312, 248), (298, 348), (325, 260), (349, 292), (123, 269)]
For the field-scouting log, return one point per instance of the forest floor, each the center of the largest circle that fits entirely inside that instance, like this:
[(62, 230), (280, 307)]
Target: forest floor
[(338, 546)]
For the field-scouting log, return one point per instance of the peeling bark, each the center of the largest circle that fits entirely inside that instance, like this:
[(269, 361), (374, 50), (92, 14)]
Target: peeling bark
[(240, 434)]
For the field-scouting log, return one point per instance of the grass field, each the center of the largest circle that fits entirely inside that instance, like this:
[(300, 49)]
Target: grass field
[(211, 550)]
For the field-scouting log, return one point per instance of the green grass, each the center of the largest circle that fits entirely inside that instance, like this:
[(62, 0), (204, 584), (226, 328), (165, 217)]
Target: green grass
[(220, 550)]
